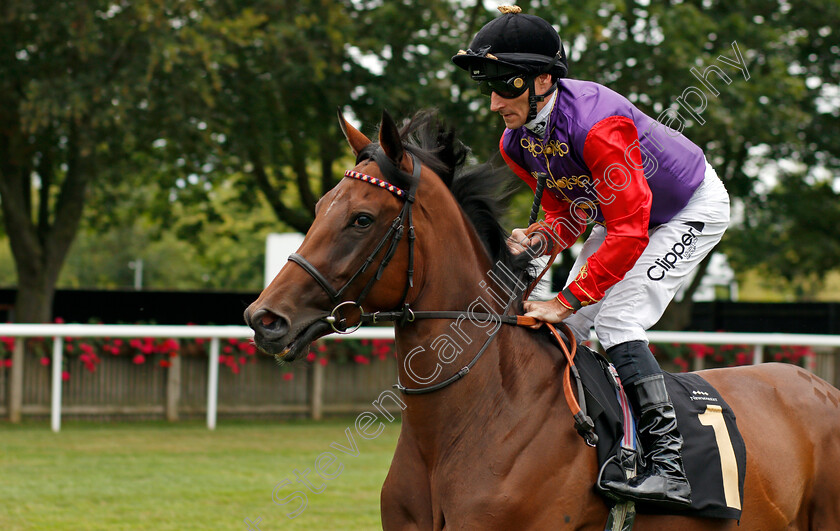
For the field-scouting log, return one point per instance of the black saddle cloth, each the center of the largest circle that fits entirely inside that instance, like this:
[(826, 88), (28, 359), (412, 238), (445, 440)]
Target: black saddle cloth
[(714, 454)]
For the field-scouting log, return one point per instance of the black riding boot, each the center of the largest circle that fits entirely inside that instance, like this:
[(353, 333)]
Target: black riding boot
[(663, 481)]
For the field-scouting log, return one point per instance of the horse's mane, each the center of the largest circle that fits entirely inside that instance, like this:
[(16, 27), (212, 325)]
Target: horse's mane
[(482, 190)]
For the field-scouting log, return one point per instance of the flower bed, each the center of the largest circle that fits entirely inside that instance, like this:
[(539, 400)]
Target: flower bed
[(681, 356), (234, 354)]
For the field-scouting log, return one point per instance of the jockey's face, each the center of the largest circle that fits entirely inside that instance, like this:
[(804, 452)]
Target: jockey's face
[(514, 111)]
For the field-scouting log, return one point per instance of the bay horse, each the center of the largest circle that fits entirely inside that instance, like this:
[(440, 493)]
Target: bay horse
[(496, 449)]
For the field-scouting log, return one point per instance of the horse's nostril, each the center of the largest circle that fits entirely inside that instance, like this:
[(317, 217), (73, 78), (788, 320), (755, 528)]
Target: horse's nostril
[(268, 321)]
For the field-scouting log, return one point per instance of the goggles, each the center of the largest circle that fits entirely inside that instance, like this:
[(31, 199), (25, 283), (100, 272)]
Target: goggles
[(509, 88)]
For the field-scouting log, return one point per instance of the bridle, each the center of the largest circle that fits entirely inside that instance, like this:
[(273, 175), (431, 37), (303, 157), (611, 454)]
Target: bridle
[(402, 314), (401, 224)]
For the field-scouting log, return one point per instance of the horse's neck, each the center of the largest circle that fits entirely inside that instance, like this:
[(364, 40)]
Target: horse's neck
[(515, 385), (511, 387)]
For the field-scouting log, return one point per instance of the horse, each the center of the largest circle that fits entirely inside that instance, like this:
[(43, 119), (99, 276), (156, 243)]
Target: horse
[(411, 229)]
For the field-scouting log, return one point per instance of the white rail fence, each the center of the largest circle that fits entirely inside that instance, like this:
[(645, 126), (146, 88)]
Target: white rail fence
[(215, 333)]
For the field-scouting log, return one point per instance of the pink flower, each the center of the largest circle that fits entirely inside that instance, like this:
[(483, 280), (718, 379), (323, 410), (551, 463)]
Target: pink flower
[(243, 360), (139, 359), (322, 348), (288, 376), (228, 349), (59, 320), (65, 375), (45, 360), (311, 357), (742, 358), (165, 363), (358, 358), (169, 345), (323, 361), (7, 362)]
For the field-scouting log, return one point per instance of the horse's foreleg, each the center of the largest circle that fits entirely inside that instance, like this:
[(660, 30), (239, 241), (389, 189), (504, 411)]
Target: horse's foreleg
[(406, 495)]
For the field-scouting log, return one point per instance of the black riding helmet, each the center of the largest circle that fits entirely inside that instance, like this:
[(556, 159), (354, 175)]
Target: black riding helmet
[(510, 51)]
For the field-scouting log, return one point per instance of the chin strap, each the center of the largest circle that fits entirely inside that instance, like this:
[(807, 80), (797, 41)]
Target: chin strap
[(533, 99)]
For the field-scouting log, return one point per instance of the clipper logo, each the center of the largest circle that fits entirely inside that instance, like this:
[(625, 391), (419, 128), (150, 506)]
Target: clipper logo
[(682, 249)]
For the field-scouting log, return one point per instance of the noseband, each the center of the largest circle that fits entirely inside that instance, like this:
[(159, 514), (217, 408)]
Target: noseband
[(394, 235)]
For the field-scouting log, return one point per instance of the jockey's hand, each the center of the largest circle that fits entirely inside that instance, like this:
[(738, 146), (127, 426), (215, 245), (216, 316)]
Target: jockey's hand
[(519, 242), (546, 311)]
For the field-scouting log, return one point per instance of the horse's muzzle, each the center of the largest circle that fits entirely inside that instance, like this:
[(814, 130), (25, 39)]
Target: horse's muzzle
[(268, 324), (273, 334)]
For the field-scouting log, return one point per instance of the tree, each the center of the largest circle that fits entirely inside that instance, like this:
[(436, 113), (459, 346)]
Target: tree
[(646, 51), (272, 97), (76, 78), (790, 221)]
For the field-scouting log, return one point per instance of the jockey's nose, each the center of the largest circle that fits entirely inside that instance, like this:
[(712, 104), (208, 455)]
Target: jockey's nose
[(496, 102), (267, 323)]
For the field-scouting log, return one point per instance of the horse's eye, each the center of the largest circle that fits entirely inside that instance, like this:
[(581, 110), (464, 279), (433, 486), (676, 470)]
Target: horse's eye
[(362, 221)]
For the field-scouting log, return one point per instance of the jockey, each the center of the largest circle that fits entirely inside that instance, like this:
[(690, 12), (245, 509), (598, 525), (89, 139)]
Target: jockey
[(657, 205)]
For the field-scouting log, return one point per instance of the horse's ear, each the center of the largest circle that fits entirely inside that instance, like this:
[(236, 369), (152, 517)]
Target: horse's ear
[(354, 137), (389, 138)]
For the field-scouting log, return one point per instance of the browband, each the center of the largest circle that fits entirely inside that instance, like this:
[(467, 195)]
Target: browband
[(399, 192)]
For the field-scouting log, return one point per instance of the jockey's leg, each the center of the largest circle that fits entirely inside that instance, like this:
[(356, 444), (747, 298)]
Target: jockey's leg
[(663, 479), (636, 303)]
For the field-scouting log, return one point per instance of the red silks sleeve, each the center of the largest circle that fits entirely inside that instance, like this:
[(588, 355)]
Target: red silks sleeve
[(625, 202)]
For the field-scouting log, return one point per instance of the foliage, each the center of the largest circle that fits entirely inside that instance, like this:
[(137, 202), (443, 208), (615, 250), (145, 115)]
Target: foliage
[(361, 351), (217, 243), (187, 117)]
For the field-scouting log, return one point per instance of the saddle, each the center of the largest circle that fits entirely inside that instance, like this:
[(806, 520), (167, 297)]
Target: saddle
[(714, 454)]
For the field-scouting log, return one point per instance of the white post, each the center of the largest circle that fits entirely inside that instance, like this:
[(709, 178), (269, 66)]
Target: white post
[(758, 354), (213, 383), (55, 412), (137, 266)]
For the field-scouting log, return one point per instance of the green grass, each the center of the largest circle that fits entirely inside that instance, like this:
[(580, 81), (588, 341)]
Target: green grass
[(181, 476)]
